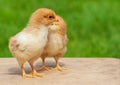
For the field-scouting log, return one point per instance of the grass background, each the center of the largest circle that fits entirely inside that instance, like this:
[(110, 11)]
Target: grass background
[(93, 26)]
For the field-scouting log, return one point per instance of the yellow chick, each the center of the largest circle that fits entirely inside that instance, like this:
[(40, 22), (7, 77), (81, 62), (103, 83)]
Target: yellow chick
[(28, 44), (56, 45)]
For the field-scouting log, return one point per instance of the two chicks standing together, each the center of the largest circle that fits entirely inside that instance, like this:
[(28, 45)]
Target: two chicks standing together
[(45, 35)]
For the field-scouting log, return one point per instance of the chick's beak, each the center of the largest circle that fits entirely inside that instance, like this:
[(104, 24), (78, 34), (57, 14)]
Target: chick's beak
[(56, 20), (51, 23)]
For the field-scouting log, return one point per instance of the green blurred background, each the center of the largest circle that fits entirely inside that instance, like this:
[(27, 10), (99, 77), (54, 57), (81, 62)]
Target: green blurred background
[(93, 26)]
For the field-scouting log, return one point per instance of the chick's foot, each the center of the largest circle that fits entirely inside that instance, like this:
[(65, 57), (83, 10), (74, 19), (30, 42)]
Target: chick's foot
[(44, 68), (27, 76), (38, 74), (59, 68)]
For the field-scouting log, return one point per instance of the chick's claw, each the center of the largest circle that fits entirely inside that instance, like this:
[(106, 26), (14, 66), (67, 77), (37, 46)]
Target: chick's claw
[(28, 76), (38, 75), (44, 68), (60, 68)]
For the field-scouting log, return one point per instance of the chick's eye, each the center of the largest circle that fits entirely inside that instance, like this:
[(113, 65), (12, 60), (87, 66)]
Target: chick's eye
[(50, 17)]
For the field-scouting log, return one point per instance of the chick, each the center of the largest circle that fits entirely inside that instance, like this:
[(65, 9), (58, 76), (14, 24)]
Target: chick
[(56, 45), (28, 44)]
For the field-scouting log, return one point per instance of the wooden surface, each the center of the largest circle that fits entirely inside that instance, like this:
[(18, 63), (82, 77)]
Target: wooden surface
[(82, 71)]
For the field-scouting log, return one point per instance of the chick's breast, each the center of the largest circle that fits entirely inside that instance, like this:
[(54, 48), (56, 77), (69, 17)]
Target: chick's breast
[(26, 41), (55, 43), (30, 45)]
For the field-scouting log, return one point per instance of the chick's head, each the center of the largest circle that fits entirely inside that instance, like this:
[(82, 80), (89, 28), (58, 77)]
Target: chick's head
[(42, 16), (59, 23)]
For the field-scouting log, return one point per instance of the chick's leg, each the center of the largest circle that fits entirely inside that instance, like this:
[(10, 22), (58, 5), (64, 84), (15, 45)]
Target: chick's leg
[(44, 67), (24, 75), (58, 67), (34, 73)]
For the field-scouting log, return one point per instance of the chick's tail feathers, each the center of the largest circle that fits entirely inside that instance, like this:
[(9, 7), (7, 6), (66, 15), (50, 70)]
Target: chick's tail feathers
[(13, 45)]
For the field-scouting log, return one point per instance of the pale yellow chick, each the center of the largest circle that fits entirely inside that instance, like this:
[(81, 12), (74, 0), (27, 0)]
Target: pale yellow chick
[(56, 45), (28, 44)]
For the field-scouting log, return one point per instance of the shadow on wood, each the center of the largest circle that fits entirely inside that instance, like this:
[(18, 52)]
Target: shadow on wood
[(17, 70)]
